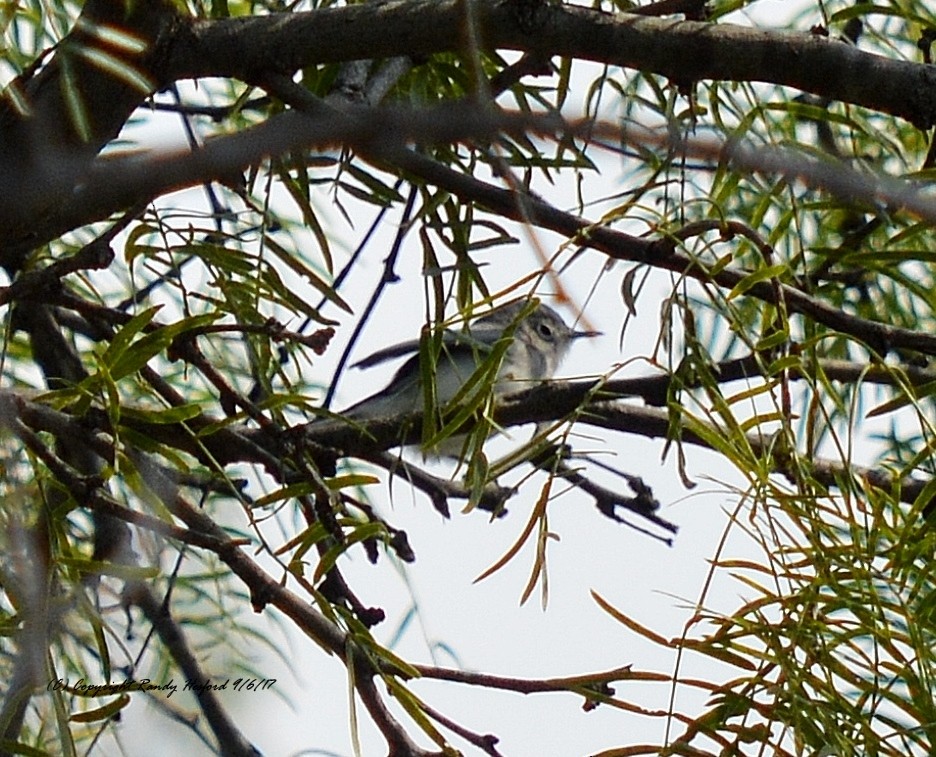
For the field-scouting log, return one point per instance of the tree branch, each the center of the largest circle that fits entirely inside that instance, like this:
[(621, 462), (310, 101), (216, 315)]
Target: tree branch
[(661, 253), (686, 51), (231, 741), (55, 119)]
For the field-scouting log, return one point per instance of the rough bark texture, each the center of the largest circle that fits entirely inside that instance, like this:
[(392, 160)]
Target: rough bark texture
[(46, 151)]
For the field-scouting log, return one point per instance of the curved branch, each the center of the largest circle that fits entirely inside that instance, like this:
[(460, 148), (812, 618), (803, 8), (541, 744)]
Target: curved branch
[(440, 490), (560, 399), (881, 337), (113, 183), (656, 424), (594, 681), (685, 51), (55, 118)]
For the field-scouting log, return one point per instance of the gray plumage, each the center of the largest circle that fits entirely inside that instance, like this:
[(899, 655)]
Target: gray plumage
[(539, 342)]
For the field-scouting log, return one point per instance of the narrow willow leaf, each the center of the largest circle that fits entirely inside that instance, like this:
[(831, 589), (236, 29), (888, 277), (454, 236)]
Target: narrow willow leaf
[(126, 334), (752, 279), (118, 68), (302, 270), (360, 533), (105, 712), (626, 620), (155, 342)]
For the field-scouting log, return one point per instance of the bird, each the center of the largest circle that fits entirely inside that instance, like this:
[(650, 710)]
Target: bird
[(523, 341)]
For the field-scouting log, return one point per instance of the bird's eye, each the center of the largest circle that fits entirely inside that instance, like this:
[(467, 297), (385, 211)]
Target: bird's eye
[(545, 331)]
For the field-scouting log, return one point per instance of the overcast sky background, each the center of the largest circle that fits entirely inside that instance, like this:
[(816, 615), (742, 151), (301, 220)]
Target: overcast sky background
[(480, 626)]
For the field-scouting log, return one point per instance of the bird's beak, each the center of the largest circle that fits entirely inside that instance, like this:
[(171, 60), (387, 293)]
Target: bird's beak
[(582, 334)]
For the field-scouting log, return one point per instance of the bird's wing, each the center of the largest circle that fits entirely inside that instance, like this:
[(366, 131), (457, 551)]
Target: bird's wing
[(481, 337), (388, 353)]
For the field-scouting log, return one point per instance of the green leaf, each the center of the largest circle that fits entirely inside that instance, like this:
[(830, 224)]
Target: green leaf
[(751, 280), (291, 491), (118, 68), (919, 393), (163, 416), (350, 481), (105, 712), (298, 188), (155, 342), (126, 334), (292, 260), (360, 533)]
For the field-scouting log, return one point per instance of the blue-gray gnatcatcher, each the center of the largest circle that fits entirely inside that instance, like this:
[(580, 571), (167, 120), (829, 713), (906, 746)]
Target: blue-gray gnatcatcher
[(528, 339)]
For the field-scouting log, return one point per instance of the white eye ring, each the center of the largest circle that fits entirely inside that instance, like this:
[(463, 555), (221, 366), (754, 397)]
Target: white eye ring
[(545, 331)]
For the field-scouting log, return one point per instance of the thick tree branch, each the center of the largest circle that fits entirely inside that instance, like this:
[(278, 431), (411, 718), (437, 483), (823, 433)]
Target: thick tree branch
[(557, 400), (36, 179), (656, 424), (685, 51), (55, 120), (380, 133), (113, 183), (661, 253), (109, 186)]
